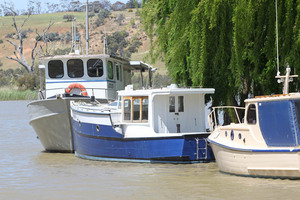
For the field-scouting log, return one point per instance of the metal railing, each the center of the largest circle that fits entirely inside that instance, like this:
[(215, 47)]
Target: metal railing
[(107, 92), (213, 117)]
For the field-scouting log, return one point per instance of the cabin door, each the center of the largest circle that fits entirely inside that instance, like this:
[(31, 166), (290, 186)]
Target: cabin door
[(176, 113), (119, 77)]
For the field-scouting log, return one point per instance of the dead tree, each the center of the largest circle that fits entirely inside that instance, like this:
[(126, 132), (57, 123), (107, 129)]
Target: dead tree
[(18, 48)]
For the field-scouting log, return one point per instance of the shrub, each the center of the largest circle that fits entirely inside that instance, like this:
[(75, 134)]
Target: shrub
[(10, 35), (62, 51), (27, 81), (68, 17), (99, 22)]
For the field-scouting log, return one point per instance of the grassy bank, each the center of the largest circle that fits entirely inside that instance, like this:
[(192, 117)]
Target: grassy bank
[(13, 94)]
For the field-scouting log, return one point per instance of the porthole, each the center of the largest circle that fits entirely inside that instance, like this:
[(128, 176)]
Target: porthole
[(225, 133), (232, 135), (79, 123), (240, 136), (98, 128)]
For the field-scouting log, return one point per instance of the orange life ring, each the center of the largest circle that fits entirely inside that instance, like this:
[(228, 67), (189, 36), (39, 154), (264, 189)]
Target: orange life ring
[(76, 85)]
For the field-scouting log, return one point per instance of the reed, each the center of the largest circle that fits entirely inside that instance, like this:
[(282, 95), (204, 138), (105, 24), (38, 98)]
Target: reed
[(13, 94)]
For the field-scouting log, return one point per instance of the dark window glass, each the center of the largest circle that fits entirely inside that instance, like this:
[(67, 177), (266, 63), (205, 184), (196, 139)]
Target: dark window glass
[(95, 67), (180, 104), (118, 72), (172, 104), (127, 109), (136, 109), (145, 109), (110, 70), (75, 68), (55, 69), (251, 114)]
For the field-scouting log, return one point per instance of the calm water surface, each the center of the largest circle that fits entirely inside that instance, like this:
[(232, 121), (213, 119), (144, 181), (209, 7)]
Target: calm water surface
[(26, 172)]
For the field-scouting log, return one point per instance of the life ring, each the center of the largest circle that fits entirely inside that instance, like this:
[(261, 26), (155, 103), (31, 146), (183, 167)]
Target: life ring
[(78, 86)]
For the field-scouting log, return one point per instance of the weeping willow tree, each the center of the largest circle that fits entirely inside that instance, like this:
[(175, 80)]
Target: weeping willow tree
[(229, 45)]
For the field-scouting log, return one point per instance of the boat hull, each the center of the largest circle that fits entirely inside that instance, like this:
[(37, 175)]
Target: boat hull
[(110, 145), (257, 163), (51, 121)]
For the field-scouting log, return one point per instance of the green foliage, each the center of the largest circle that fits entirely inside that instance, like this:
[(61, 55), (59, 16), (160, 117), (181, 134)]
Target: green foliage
[(24, 80), (116, 43), (59, 51), (9, 76), (103, 13), (69, 18), (228, 45)]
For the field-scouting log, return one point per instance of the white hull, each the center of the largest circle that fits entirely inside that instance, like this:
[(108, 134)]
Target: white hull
[(50, 119), (257, 164)]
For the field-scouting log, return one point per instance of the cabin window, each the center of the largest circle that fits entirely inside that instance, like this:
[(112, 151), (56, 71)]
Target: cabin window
[(127, 109), (75, 68), (171, 104), (251, 114), (145, 109), (55, 69), (180, 104), (110, 70), (95, 67), (119, 72), (297, 108), (135, 109)]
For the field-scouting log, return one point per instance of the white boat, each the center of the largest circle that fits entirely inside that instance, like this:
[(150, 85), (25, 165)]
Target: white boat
[(265, 142), (152, 125), (75, 77)]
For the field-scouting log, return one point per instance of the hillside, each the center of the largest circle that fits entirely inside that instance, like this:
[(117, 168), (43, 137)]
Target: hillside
[(131, 24)]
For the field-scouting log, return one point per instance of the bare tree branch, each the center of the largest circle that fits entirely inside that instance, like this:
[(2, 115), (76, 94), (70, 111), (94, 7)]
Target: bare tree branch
[(19, 56)]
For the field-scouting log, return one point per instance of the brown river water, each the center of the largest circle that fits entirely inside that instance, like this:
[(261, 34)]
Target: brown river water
[(27, 172)]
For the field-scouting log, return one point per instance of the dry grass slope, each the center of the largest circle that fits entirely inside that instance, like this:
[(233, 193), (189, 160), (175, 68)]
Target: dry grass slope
[(131, 24)]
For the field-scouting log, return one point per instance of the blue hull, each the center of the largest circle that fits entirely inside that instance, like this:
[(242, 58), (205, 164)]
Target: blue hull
[(107, 144)]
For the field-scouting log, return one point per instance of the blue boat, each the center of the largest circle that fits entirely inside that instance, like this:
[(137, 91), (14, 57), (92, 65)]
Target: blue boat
[(154, 125)]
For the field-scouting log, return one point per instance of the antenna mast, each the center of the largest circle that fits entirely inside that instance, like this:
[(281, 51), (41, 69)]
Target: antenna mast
[(104, 42), (278, 72), (87, 27)]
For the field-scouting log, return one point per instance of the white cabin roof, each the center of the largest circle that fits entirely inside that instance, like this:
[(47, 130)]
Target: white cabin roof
[(165, 91), (274, 97)]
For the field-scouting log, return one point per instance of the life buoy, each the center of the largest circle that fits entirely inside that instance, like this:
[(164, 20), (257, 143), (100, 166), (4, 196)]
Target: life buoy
[(78, 86)]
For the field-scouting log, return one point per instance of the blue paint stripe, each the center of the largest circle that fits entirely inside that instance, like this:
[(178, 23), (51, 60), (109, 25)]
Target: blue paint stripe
[(82, 81), (255, 150)]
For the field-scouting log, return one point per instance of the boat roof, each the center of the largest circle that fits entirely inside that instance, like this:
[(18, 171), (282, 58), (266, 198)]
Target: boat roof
[(165, 91), (135, 65), (274, 97)]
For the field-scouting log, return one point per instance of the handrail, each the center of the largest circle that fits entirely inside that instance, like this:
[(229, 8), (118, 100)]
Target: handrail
[(106, 90), (212, 117)]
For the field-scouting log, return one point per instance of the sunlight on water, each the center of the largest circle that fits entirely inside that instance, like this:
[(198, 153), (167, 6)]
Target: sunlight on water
[(26, 172)]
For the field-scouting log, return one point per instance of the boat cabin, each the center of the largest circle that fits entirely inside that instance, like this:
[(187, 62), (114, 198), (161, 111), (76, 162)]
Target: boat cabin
[(166, 110), (89, 75), (277, 117)]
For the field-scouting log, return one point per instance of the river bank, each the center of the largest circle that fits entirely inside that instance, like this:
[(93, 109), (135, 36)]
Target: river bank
[(7, 94)]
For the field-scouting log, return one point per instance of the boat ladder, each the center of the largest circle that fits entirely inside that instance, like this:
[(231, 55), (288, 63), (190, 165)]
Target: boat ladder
[(201, 155)]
